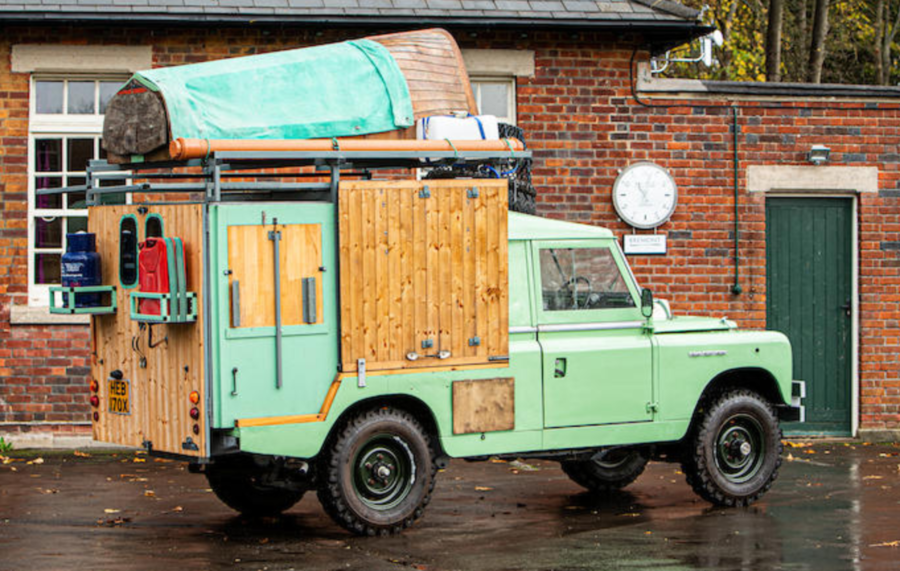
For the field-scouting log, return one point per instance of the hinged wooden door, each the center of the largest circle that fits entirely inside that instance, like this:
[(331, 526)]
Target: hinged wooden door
[(423, 273)]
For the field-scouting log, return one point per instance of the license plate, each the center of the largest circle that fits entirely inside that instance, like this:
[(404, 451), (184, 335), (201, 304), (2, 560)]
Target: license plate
[(119, 396)]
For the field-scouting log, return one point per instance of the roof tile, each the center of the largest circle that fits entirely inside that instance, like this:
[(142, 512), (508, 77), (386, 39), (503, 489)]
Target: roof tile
[(460, 9)]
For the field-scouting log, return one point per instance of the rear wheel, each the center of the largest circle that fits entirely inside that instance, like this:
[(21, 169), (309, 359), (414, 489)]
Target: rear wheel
[(607, 471), (378, 473), (254, 487), (734, 452)]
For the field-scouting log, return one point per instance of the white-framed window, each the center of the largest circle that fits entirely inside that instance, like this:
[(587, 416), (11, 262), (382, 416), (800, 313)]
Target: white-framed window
[(64, 133), (496, 96)]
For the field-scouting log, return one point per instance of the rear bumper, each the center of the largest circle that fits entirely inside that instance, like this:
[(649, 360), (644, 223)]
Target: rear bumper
[(796, 411)]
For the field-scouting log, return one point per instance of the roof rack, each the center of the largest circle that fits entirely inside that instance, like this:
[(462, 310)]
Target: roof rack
[(212, 173)]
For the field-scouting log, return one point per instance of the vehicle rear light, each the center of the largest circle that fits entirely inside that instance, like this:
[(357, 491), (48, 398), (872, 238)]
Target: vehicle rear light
[(195, 413), (95, 386), (195, 397), (196, 429), (95, 401), (96, 416)]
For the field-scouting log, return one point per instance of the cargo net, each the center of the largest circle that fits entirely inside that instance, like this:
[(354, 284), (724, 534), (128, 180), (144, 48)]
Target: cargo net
[(518, 171)]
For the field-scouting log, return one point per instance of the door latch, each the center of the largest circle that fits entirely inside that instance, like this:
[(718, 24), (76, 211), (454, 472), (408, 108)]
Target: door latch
[(848, 307), (560, 368)]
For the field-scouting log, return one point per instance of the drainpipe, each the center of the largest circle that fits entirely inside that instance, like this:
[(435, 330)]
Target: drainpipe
[(736, 287)]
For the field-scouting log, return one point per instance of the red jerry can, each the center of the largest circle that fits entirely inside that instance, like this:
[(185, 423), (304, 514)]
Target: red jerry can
[(153, 262)]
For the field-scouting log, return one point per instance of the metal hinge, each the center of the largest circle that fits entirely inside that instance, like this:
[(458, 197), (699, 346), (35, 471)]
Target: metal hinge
[(652, 407), (425, 192), (361, 373)]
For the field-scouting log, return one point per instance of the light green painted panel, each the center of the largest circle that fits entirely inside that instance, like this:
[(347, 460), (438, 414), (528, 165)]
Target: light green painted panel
[(309, 352)]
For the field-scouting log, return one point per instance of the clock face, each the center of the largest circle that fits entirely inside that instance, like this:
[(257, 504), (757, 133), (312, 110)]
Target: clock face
[(645, 195)]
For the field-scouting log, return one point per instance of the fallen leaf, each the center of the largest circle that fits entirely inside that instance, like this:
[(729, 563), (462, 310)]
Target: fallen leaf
[(264, 541), (895, 543), (149, 494), (111, 511), (113, 522), (36, 461), (81, 454), (498, 461), (873, 478), (483, 489), (139, 460), (178, 509)]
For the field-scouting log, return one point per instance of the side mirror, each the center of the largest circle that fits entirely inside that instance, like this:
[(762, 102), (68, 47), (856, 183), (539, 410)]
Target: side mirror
[(646, 303)]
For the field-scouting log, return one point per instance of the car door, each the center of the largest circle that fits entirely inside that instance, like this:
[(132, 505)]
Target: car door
[(596, 352)]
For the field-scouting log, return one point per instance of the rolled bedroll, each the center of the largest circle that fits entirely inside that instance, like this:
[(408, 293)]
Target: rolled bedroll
[(372, 88)]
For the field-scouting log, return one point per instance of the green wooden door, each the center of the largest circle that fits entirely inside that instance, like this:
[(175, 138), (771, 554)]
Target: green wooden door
[(809, 282)]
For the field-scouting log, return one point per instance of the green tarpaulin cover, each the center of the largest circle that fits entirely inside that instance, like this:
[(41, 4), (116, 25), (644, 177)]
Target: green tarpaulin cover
[(350, 88)]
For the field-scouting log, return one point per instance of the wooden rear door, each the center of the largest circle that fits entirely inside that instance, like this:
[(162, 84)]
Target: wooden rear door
[(423, 273), (162, 364)]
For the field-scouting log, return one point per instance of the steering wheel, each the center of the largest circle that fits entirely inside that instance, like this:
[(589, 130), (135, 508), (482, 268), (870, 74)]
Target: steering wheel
[(571, 288)]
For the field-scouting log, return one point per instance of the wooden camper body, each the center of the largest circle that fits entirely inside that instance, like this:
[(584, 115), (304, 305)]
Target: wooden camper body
[(397, 277)]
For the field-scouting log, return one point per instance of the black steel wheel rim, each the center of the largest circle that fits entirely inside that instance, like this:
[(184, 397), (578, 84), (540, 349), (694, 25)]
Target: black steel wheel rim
[(614, 459), (384, 471), (740, 448)]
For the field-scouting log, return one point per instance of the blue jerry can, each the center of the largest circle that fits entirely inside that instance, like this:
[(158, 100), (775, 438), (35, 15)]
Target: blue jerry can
[(81, 267)]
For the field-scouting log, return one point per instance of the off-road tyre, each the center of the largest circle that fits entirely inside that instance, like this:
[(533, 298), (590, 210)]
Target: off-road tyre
[(239, 483), (348, 490), (715, 464), (608, 474)]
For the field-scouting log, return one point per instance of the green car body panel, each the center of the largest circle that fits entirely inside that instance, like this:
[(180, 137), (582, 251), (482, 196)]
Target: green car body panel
[(584, 378)]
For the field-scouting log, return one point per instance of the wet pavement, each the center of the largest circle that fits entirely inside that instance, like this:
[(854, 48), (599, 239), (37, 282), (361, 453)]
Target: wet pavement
[(835, 506)]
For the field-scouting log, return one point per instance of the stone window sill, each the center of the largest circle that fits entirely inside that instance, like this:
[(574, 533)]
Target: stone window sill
[(27, 315)]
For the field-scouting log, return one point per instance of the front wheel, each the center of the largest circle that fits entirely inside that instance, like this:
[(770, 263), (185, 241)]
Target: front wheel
[(734, 453), (378, 473)]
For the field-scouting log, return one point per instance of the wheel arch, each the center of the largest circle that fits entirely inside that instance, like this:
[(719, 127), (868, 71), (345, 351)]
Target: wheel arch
[(757, 379), (413, 405)]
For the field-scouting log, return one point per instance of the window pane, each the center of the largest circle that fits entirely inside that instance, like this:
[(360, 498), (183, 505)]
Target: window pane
[(46, 268), (51, 201), (76, 199), (80, 152), (582, 278), (76, 224), (48, 232), (107, 90), (49, 96), (48, 155), (81, 98), (495, 99)]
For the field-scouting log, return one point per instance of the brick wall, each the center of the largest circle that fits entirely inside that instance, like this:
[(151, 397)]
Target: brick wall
[(583, 125)]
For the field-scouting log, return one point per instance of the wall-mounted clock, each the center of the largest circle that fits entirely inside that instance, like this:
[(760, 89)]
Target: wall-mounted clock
[(645, 195)]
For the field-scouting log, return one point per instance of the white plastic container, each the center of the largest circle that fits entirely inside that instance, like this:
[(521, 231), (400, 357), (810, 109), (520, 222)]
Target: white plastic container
[(457, 128)]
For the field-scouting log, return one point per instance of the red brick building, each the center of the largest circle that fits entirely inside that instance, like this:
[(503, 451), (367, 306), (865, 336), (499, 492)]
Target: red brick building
[(759, 234)]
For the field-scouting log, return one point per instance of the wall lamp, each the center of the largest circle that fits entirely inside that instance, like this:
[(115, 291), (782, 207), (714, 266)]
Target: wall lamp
[(818, 154)]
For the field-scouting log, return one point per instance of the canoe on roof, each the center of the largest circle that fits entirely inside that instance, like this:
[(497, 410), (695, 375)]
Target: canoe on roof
[(375, 87)]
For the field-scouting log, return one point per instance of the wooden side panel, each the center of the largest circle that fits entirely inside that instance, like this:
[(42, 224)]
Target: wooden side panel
[(251, 259), (162, 377), (423, 275), (484, 405)]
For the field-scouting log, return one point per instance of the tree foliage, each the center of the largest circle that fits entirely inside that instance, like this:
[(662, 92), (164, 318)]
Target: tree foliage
[(859, 41)]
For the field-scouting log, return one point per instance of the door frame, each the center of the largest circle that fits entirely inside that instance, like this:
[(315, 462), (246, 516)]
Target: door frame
[(854, 289)]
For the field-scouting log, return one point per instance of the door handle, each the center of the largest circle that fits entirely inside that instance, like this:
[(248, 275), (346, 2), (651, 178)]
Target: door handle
[(847, 307), (559, 368)]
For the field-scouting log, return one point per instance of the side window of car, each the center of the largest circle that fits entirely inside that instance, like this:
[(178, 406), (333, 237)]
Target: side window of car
[(582, 278)]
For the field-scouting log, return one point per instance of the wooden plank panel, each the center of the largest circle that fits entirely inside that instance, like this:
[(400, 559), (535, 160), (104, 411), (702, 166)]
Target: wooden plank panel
[(485, 405), (161, 385), (418, 268)]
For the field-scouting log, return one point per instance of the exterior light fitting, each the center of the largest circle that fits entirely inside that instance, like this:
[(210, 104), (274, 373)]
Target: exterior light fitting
[(818, 154)]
